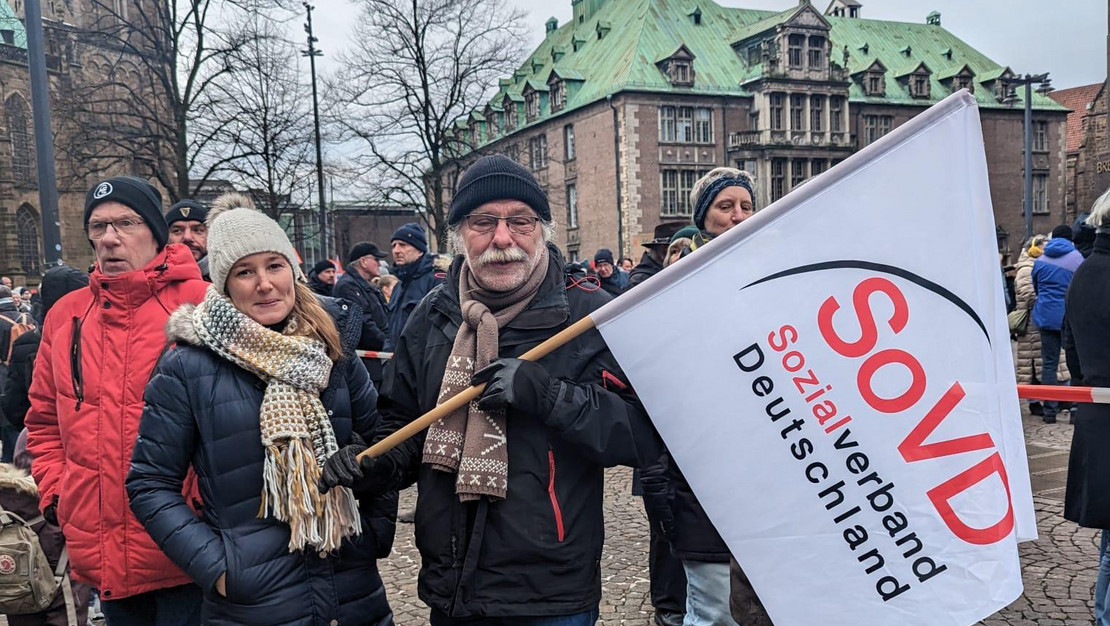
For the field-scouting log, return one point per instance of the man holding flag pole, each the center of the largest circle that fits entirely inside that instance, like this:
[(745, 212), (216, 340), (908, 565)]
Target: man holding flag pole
[(856, 440), (509, 507)]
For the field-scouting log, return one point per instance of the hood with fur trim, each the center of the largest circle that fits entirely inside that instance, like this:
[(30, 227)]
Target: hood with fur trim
[(15, 479)]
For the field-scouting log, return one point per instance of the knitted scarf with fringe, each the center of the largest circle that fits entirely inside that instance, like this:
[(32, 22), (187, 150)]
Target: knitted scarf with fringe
[(470, 441), (296, 432)]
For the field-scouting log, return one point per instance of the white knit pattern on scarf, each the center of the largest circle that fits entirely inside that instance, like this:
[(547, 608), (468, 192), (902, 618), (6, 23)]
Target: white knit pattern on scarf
[(296, 431)]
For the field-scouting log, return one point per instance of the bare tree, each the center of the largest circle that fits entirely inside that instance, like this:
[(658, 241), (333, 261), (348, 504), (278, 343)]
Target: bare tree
[(149, 104), (265, 114), (420, 65)]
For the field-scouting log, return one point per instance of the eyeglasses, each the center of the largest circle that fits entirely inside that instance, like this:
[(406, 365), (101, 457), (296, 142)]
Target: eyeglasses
[(518, 224), (124, 226)]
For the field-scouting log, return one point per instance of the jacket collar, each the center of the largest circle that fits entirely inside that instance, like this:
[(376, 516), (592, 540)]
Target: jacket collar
[(173, 264), (411, 271)]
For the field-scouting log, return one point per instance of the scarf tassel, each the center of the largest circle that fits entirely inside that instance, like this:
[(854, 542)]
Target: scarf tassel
[(289, 494)]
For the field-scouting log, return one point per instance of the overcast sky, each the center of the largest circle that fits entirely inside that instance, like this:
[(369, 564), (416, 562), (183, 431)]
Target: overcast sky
[(1066, 38)]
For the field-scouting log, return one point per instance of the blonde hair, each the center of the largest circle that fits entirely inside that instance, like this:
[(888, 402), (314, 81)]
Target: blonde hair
[(676, 247), (1100, 212), (314, 321), (388, 281)]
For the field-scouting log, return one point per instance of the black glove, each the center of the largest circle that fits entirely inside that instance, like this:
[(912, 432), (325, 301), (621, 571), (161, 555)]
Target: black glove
[(50, 513), (524, 385), (369, 475)]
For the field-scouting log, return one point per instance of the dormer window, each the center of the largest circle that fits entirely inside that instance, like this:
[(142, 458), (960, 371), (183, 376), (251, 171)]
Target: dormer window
[(875, 85), (532, 105), (794, 54), (558, 95), (681, 73), (695, 16), (678, 67), (964, 82), (816, 52), (755, 53), (510, 116), (919, 86)]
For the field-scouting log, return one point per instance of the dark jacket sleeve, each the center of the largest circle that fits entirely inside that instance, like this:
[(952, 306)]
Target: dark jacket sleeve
[(380, 511), (163, 452), (1071, 355), (601, 414), (373, 336), (14, 402)]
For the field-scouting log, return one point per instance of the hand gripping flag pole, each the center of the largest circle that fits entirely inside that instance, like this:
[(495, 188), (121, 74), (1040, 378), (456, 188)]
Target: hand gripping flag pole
[(459, 400)]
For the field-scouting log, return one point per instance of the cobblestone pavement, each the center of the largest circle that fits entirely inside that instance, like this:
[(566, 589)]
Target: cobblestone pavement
[(1058, 568)]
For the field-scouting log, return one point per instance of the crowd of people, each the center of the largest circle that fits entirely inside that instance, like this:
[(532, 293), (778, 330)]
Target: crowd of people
[(190, 421)]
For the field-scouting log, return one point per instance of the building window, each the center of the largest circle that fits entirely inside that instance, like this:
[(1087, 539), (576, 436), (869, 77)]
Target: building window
[(964, 82), (681, 73), (920, 86), (666, 124), (476, 132), (797, 172), (568, 142), (120, 8), (776, 111), (1040, 193), (796, 43), (816, 52), (797, 112), (778, 178), (1040, 136), (875, 126), (876, 84), (510, 117), (27, 239), (558, 95), (23, 149), (532, 105), (572, 206), (755, 54), (685, 124), (816, 113), (753, 120), (836, 106), (537, 152), (676, 186), (816, 166), (703, 125)]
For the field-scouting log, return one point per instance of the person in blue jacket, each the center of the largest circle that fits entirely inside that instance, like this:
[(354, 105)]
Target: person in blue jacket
[(1052, 274), (414, 267), (260, 389)]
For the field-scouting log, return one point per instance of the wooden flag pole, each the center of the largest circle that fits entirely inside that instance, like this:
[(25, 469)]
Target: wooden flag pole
[(463, 397)]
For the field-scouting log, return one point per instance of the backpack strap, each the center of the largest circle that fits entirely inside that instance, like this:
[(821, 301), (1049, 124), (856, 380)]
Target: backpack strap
[(62, 573)]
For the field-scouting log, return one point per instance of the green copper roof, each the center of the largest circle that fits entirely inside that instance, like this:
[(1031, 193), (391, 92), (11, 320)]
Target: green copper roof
[(609, 60), (8, 21)]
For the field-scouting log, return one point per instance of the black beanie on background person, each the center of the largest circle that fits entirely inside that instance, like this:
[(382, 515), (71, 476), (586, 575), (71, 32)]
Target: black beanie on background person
[(604, 255), (1063, 231), (365, 248), (186, 211), (411, 234), (322, 266), (136, 193), (497, 177)]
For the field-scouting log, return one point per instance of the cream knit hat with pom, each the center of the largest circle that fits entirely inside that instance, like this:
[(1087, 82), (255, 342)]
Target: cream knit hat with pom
[(237, 229)]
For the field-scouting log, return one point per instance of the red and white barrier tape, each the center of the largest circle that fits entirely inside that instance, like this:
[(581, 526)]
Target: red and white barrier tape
[(1094, 395), (374, 354)]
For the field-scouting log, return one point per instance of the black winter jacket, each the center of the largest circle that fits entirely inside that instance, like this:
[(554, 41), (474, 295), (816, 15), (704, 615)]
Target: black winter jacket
[(375, 325), (538, 552), (318, 286), (417, 279), (14, 402), (647, 268), (203, 411), (1087, 328)]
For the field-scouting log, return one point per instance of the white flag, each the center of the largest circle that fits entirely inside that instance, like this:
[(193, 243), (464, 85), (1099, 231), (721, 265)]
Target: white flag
[(834, 379)]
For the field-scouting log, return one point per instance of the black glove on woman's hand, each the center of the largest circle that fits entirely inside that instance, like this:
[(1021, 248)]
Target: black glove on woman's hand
[(524, 385), (344, 469)]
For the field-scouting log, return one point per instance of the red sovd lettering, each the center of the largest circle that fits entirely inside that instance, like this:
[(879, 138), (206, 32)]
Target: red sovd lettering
[(907, 398), (914, 448), (869, 332), (944, 492)]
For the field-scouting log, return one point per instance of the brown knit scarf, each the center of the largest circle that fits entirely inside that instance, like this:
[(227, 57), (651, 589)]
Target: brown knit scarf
[(471, 441)]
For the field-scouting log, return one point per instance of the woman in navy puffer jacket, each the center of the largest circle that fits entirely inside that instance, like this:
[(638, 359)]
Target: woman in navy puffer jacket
[(260, 388)]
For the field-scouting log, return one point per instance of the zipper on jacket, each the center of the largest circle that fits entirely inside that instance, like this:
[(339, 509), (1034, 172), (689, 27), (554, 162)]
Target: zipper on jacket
[(559, 529), (75, 363)]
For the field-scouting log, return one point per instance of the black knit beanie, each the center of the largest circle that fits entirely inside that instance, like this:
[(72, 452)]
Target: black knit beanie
[(411, 234), (186, 210), (497, 177), (136, 193)]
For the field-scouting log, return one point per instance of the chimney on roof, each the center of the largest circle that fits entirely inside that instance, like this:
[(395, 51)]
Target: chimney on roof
[(933, 19), (552, 25)]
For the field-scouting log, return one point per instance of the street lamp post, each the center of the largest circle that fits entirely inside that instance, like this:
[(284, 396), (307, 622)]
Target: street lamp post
[(1043, 88), (44, 137), (312, 53)]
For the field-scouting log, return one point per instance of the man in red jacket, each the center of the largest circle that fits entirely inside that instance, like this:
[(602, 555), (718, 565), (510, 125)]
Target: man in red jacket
[(99, 346)]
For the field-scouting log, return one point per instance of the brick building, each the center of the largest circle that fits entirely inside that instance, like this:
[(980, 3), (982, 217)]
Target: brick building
[(73, 54), (621, 110), (1082, 101)]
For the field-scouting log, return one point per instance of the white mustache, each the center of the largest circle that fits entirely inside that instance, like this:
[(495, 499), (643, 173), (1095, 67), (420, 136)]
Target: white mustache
[(497, 255)]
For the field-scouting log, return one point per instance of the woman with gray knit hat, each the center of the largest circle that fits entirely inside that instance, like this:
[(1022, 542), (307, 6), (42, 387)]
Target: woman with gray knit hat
[(721, 199), (261, 388)]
